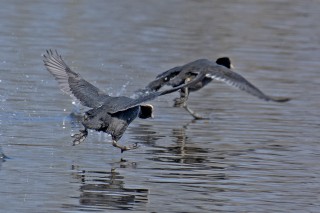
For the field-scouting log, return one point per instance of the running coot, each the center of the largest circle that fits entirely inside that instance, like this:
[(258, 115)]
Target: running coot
[(107, 114), (220, 70)]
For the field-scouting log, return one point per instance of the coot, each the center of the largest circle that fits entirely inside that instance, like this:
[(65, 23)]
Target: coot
[(220, 70)]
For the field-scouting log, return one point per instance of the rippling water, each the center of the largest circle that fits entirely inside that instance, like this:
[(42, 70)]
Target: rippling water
[(251, 156)]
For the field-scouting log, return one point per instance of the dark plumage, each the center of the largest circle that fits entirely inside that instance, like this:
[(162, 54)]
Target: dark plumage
[(108, 114), (220, 70)]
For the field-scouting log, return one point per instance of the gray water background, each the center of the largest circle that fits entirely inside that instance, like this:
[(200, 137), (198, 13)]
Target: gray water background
[(251, 156)]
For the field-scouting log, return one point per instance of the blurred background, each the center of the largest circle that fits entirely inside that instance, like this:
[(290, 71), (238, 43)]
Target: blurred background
[(251, 156)]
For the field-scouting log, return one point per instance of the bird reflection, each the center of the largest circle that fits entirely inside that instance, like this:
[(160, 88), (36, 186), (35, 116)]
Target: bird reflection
[(184, 162), (184, 150), (106, 189), (145, 134)]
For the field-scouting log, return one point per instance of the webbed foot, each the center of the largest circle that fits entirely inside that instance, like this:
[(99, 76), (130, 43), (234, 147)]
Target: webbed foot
[(124, 148), (194, 114)]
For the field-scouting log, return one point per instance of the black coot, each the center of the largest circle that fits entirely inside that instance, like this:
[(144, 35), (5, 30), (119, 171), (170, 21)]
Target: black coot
[(220, 70)]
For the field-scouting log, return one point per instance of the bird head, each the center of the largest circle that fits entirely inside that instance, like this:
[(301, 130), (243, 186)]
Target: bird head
[(146, 111), (225, 61)]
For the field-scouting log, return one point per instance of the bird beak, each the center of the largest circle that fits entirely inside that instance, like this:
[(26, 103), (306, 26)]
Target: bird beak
[(231, 66)]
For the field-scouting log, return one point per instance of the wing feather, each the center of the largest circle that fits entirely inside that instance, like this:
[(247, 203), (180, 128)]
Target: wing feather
[(72, 83), (163, 79), (221, 73)]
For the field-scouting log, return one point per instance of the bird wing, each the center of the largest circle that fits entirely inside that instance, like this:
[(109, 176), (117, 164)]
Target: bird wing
[(173, 77), (171, 72), (221, 73), (124, 103), (162, 79), (72, 83)]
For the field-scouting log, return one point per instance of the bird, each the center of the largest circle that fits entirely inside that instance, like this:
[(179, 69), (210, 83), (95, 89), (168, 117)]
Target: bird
[(220, 70), (108, 114)]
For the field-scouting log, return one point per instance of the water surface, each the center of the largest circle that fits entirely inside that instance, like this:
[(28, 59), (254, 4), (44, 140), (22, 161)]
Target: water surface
[(251, 156)]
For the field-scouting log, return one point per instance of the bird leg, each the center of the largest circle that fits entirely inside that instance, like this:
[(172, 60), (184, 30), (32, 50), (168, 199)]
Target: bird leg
[(124, 148), (182, 102), (184, 95), (80, 137)]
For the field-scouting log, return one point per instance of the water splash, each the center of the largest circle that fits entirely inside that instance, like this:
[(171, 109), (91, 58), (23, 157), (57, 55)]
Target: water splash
[(123, 89)]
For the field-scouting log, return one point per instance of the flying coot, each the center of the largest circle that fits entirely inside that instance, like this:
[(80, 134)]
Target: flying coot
[(221, 70)]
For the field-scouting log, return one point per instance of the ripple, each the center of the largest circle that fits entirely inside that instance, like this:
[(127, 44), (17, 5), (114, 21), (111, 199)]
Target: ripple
[(251, 156)]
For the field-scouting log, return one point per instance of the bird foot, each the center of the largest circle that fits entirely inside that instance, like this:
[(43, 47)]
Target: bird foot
[(199, 117), (125, 148), (194, 114), (80, 137)]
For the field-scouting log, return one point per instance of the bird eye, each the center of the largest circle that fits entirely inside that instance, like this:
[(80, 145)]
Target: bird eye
[(166, 78)]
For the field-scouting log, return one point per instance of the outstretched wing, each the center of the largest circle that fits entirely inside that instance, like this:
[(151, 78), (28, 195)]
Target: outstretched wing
[(163, 79), (72, 83), (219, 70), (123, 103), (221, 73)]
